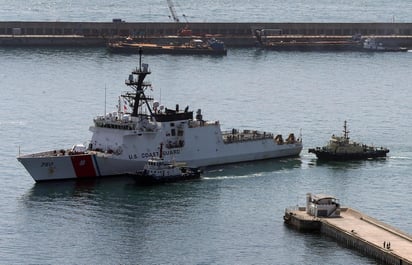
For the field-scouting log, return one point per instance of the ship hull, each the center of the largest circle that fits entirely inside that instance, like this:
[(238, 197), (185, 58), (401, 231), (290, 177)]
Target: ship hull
[(329, 156), (48, 166), (147, 48), (160, 50), (312, 46)]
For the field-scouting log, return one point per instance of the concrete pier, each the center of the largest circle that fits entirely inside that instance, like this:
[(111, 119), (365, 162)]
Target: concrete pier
[(357, 231), (122, 28), (27, 33)]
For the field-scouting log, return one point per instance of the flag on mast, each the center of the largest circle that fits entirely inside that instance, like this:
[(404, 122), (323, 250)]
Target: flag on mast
[(125, 106)]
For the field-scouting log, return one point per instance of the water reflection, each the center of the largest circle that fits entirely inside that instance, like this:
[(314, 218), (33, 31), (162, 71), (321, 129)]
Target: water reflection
[(70, 188), (118, 195), (25, 52), (253, 168), (100, 212), (345, 165)]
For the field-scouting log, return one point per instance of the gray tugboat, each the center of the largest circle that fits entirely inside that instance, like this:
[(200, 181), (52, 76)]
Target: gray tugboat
[(341, 148)]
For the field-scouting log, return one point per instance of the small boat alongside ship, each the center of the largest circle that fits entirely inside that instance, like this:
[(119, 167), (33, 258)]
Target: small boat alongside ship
[(376, 45), (123, 140), (342, 148), (158, 170), (210, 46)]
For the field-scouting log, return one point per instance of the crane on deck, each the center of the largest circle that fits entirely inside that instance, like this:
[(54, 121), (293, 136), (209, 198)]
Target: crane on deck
[(186, 31)]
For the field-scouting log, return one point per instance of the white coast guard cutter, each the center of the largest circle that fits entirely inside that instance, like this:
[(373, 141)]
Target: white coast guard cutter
[(122, 142)]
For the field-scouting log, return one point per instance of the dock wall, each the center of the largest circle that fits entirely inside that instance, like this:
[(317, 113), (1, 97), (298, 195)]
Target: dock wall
[(227, 29), (233, 34), (352, 241)]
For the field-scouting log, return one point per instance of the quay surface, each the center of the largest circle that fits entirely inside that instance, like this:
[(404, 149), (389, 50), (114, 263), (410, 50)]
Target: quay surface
[(357, 231)]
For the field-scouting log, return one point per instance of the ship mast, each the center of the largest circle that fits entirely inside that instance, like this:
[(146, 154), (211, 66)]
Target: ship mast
[(139, 86), (345, 132)]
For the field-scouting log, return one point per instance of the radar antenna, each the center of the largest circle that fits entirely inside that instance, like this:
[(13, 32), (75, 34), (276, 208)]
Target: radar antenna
[(345, 132)]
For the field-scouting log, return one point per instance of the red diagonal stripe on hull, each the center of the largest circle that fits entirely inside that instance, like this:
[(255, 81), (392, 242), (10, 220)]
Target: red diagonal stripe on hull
[(83, 166)]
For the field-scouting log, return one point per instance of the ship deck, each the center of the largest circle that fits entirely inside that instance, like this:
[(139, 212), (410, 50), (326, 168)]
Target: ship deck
[(245, 135)]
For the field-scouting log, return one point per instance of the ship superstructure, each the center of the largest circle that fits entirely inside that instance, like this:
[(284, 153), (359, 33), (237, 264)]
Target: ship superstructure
[(122, 141)]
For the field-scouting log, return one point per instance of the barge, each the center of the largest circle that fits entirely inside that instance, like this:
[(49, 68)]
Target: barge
[(192, 47)]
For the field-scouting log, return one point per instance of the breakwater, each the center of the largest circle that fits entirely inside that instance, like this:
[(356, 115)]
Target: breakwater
[(14, 33)]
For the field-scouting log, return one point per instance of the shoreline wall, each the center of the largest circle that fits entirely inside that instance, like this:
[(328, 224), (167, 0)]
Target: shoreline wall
[(32, 33), (121, 28)]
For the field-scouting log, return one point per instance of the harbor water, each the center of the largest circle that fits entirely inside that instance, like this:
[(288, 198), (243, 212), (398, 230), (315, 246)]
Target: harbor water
[(233, 214), (208, 10)]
